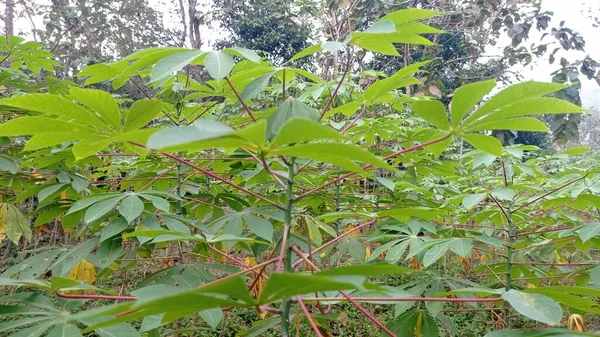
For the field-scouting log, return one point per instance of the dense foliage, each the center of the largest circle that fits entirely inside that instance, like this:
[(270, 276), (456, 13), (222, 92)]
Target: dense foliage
[(236, 184)]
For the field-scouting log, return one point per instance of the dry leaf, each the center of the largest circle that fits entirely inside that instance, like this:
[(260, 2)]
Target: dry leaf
[(575, 322)]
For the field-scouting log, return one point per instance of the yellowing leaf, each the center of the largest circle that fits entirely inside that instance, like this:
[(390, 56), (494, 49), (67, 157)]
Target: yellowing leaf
[(83, 271), (13, 223)]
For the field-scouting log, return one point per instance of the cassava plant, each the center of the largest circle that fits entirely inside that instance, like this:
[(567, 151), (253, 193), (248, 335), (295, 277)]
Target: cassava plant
[(269, 188)]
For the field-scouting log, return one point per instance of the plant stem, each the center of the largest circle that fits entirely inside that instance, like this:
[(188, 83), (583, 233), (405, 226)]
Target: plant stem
[(285, 253), (179, 206), (366, 167), (509, 261), (241, 100)]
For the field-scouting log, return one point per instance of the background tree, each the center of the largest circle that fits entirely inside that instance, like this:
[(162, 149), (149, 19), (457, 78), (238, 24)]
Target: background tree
[(84, 32), (279, 28)]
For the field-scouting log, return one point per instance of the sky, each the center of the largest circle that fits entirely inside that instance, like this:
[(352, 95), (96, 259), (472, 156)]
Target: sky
[(573, 12)]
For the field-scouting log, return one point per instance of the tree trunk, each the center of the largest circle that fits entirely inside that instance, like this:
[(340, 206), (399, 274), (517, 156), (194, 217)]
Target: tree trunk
[(9, 18), (195, 39)]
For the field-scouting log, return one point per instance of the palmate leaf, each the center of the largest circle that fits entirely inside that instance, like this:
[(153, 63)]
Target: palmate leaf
[(76, 123)]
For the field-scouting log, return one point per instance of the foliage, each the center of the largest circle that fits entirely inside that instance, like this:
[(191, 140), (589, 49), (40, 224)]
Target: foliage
[(274, 29), (283, 192)]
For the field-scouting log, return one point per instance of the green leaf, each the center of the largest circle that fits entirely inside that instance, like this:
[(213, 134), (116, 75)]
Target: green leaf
[(50, 126), (99, 209), (116, 227), (401, 78), (333, 153), (86, 202), (429, 327), (405, 213), (260, 227), (514, 94), (101, 102), (537, 333), (289, 109), (484, 143), (462, 246), (516, 124), (589, 231), (472, 200), (53, 105), (212, 317), (298, 129), (532, 106), (158, 202), (466, 97), (218, 64), (408, 15), (248, 54), (203, 134), (404, 324), (376, 45), (390, 185), (374, 269), (285, 285), (256, 86), (141, 113), (347, 109), (504, 193), (259, 328), (65, 330), (173, 63), (34, 331), (50, 190), (131, 207), (535, 306), (433, 112), (307, 51), (436, 252)]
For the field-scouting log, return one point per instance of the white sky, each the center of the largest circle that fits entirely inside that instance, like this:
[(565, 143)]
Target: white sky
[(573, 12)]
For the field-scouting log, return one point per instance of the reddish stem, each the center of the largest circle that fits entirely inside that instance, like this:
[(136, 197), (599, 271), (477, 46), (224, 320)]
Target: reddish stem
[(313, 325), (216, 177), (156, 178), (330, 102), (408, 299), (96, 297), (349, 126), (222, 253), (338, 238), (552, 191), (240, 99), (367, 167)]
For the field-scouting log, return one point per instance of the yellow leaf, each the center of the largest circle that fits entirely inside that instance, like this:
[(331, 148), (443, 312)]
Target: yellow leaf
[(530, 285), (83, 271), (349, 228), (367, 253), (13, 223)]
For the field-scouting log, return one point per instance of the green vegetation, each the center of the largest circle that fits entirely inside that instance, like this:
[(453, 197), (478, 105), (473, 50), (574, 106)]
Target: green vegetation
[(248, 196)]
